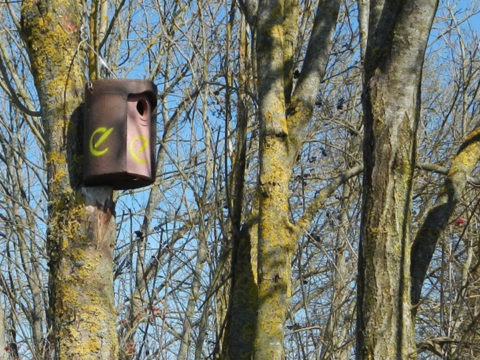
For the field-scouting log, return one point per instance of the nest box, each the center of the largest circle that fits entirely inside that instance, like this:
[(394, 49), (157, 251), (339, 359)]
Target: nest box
[(119, 133)]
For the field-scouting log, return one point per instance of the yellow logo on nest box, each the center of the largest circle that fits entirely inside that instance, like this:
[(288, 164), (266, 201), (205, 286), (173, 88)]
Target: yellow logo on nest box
[(94, 146), (136, 152)]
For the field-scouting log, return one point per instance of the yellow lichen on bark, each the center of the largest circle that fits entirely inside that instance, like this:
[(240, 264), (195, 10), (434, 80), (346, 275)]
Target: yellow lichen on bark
[(51, 32), (56, 158), (52, 37), (467, 156), (82, 290), (276, 236), (276, 243)]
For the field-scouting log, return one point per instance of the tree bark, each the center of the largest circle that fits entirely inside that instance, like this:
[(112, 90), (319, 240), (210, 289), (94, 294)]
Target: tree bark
[(261, 261), (242, 300), (283, 117), (81, 221), (264, 245), (397, 37)]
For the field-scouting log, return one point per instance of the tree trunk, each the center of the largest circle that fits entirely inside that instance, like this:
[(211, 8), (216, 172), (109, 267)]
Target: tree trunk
[(81, 223), (283, 116), (3, 344), (397, 37), (242, 300), (277, 242), (284, 113), (276, 238)]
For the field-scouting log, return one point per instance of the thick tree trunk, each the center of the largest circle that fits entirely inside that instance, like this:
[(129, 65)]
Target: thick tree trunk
[(277, 242), (81, 224), (283, 116), (284, 113), (276, 238), (397, 37)]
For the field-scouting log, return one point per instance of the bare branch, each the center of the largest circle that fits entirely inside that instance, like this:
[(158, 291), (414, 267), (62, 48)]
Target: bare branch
[(13, 94), (315, 62), (438, 217), (304, 222)]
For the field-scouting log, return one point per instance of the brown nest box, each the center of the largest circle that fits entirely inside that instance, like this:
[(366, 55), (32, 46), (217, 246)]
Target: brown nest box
[(119, 133)]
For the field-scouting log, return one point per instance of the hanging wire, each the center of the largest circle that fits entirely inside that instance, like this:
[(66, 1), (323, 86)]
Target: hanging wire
[(84, 34), (102, 60), (84, 40)]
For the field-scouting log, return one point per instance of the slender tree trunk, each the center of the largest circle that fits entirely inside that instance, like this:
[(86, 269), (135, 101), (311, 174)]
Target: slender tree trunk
[(81, 223), (3, 344), (192, 299), (336, 328), (397, 37), (242, 311)]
